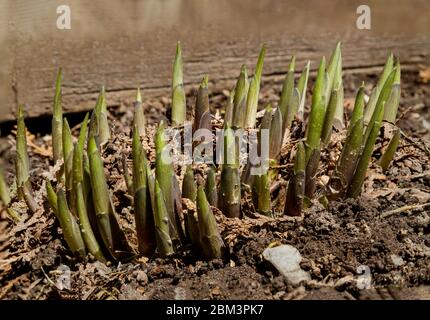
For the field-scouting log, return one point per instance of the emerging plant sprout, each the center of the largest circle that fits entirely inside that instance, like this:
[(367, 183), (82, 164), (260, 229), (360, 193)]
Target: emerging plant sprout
[(57, 121), (210, 187), (178, 93), (139, 116), (296, 186), (210, 240), (166, 217), (202, 116), (239, 99), (70, 227), (80, 204), (99, 126), (370, 107), (229, 198), (142, 204), (5, 197), (254, 91), (22, 164), (389, 153), (285, 104)]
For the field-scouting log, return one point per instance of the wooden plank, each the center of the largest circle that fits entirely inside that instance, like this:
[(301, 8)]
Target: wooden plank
[(88, 65), (123, 59)]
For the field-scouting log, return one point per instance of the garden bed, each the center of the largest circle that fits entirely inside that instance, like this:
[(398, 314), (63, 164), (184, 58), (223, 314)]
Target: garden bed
[(334, 242)]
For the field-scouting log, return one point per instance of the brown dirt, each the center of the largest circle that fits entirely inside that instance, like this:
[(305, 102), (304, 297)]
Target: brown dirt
[(333, 241)]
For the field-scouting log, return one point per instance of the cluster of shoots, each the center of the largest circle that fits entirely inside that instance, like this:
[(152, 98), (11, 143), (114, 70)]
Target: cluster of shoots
[(169, 214)]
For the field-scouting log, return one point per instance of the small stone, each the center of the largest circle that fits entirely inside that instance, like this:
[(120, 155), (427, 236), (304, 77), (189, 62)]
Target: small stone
[(216, 291), (165, 101), (279, 295), (324, 179), (254, 285), (180, 293), (141, 276), (426, 250), (286, 259), (397, 260), (131, 292)]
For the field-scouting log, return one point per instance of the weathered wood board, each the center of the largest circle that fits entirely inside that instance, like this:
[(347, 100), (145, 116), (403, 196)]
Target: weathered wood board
[(132, 44)]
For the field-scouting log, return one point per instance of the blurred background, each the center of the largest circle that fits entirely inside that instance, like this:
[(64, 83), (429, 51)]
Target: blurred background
[(129, 43)]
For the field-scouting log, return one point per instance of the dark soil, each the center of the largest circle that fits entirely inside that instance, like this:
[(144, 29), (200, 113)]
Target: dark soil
[(333, 242)]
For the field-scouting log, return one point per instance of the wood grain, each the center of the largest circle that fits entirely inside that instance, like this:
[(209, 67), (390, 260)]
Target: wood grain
[(125, 58)]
